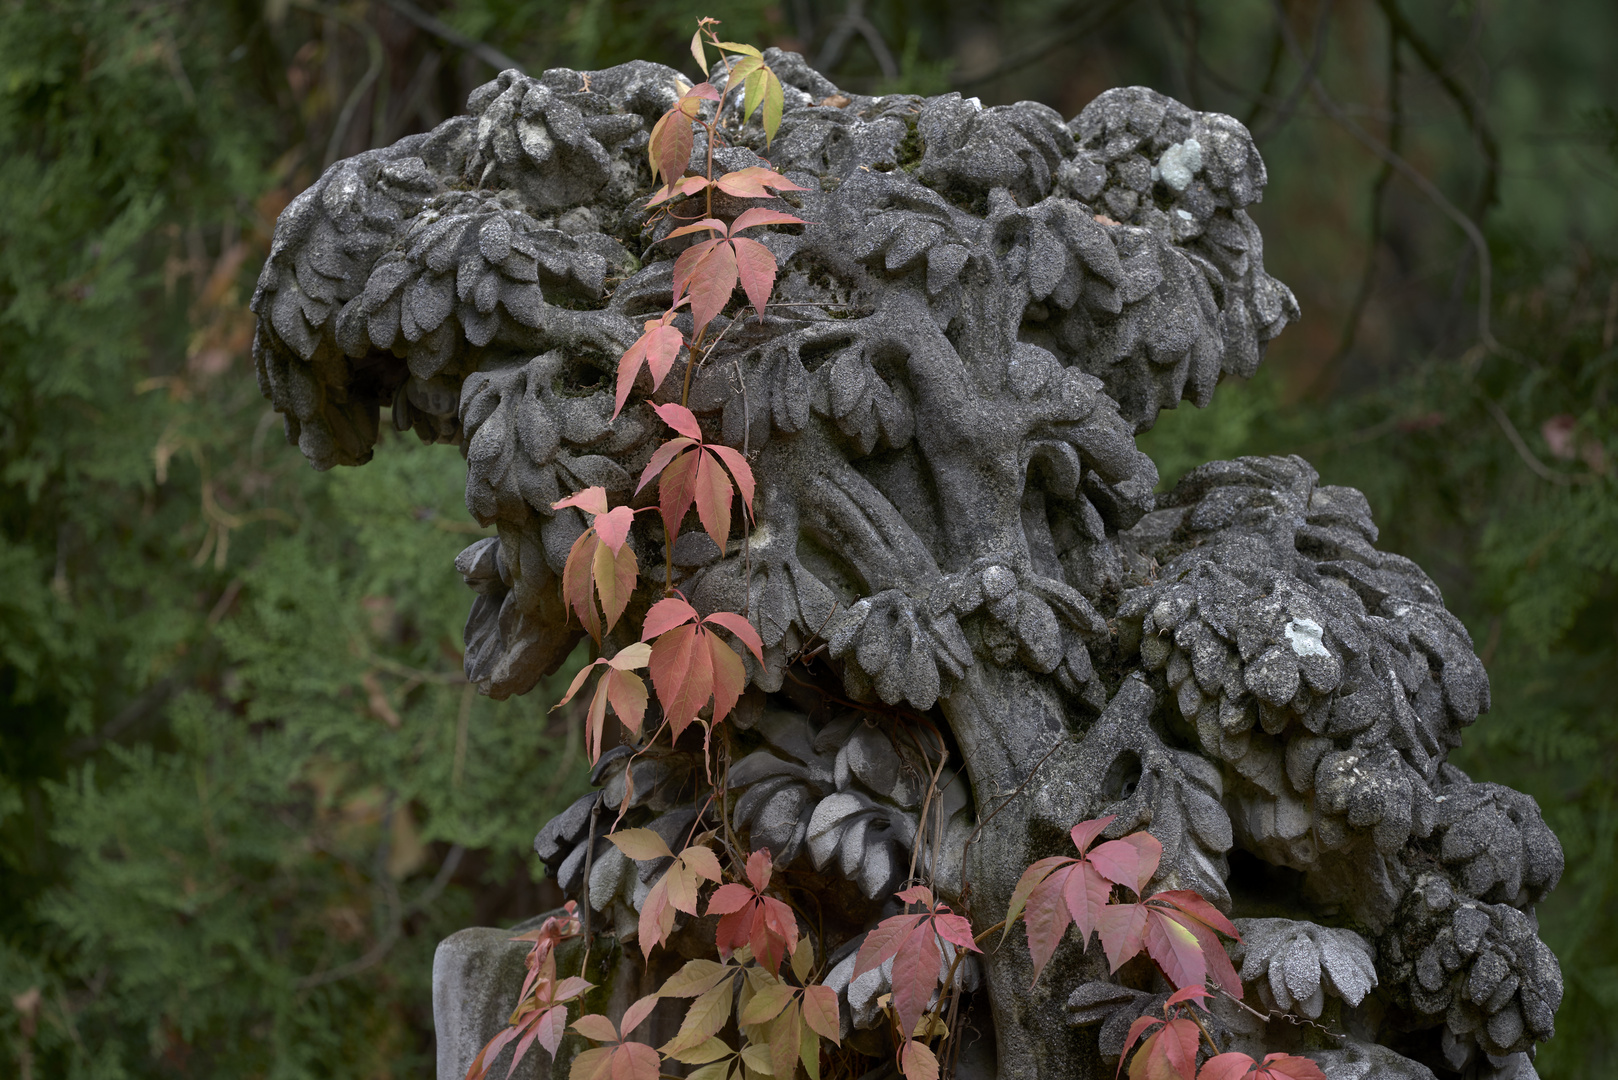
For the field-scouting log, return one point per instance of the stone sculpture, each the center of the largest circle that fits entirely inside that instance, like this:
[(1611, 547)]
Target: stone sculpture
[(953, 523)]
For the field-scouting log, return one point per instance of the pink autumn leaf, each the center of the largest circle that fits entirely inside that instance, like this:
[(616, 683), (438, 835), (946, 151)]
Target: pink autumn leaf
[(1129, 862), (680, 418), (755, 266), (665, 615), (592, 500), (660, 460), (759, 215), (1085, 832), (754, 182), (613, 527), (742, 629)]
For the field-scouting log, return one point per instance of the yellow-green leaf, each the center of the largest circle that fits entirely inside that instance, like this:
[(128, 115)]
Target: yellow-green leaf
[(712, 1050), (641, 844), (774, 102), (703, 1020), (719, 1070), (803, 959), (757, 1058), (809, 1052), (699, 52), (766, 1004), (741, 71), (754, 92)]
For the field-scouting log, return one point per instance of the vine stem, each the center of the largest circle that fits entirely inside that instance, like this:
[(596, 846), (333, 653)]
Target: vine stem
[(993, 814)]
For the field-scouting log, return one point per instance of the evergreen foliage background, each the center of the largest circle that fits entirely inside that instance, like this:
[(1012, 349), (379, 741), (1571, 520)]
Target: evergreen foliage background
[(244, 789)]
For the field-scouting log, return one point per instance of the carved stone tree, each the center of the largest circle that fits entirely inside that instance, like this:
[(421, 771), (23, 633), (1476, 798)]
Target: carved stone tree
[(957, 549)]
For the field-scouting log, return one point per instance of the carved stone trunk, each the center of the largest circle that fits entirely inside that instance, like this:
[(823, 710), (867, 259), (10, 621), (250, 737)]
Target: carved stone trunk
[(955, 532)]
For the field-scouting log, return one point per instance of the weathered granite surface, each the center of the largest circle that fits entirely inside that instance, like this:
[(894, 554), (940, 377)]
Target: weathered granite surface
[(477, 973), (990, 305)]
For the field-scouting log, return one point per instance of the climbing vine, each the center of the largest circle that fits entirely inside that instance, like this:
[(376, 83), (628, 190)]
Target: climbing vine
[(766, 984)]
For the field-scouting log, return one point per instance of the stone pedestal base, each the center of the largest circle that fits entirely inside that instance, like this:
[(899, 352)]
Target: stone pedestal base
[(477, 973)]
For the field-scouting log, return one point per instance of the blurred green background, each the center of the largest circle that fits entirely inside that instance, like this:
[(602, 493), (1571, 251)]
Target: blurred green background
[(244, 788)]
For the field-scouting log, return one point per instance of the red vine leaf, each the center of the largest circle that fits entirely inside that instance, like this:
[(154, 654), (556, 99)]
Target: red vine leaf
[(712, 491), (754, 182), (637, 1013), (742, 629), (675, 891), (705, 225), (748, 917), (592, 500), (917, 1062), (600, 563), (755, 266), (1130, 861), (682, 673), (669, 149), (541, 1013), (1205, 922), (1169, 1053), (596, 1027), (1123, 931), (656, 348), (911, 940), (681, 419), (759, 215), (729, 676), (689, 472), (619, 687), (626, 1061), (708, 272), (1175, 949), (677, 490), (711, 280), (737, 464), (820, 1012), (686, 185), (613, 527), (1057, 891), (689, 663)]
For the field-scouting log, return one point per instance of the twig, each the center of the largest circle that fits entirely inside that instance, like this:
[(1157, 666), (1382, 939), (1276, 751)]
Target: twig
[(462, 723), (1471, 111), (485, 52), (1295, 1021), (1422, 184), (1100, 15), (799, 654), (1007, 802), (441, 880), (589, 858), (854, 21), (1523, 451), (147, 700), (1260, 97), (1289, 104), (376, 953), (1378, 192), (373, 47)]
